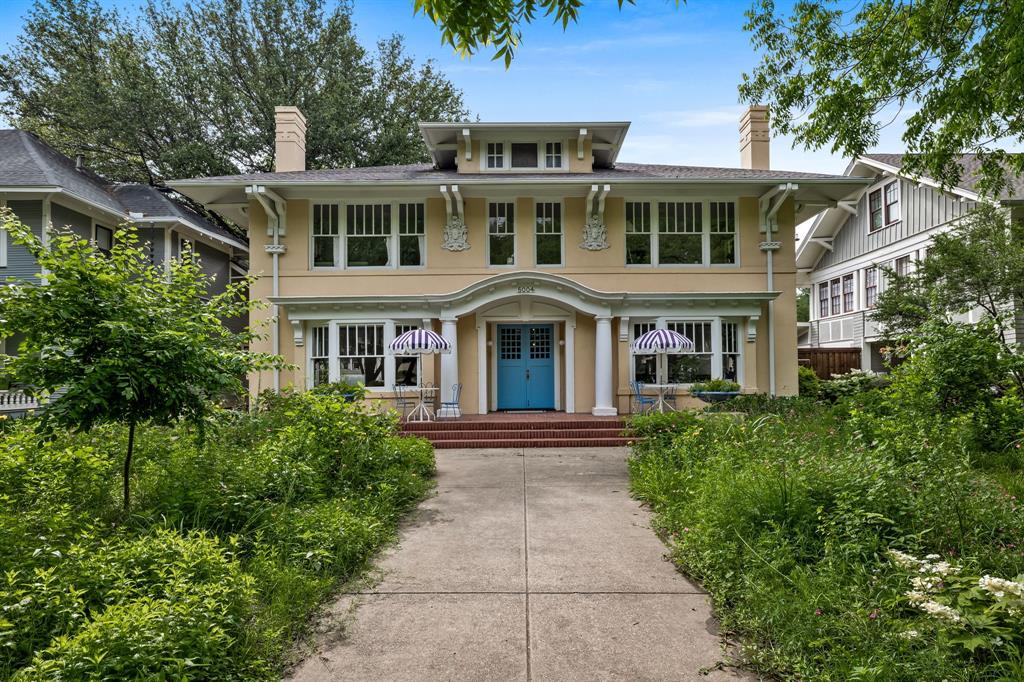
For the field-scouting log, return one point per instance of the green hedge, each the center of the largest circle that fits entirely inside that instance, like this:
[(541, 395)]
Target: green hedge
[(236, 536)]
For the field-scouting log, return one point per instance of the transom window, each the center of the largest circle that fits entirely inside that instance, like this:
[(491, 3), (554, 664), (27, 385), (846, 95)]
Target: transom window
[(501, 233), (553, 155), (368, 232), (681, 233), (361, 353), (495, 155), (411, 234), (549, 233)]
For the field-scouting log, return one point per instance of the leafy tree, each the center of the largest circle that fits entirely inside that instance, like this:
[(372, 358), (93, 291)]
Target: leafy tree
[(121, 339), (189, 89), (835, 77), (979, 264), (803, 305)]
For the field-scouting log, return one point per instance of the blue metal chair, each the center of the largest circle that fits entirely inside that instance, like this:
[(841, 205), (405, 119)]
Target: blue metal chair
[(402, 401), (451, 405), (642, 402)]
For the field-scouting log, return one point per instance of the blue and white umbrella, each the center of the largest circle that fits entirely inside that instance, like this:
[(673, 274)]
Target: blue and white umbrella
[(419, 342), (661, 342)]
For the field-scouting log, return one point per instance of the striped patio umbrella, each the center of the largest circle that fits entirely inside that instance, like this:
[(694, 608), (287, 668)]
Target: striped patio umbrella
[(661, 342), (419, 342)]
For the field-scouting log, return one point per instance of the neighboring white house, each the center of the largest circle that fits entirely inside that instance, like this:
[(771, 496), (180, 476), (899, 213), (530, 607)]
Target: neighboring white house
[(892, 223)]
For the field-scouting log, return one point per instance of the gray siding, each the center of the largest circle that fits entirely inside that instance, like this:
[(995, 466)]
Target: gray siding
[(63, 218), (921, 208), (154, 237), (216, 264), (20, 263)]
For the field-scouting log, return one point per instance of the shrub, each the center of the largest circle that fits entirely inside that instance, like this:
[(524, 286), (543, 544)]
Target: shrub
[(850, 384), (809, 383), (715, 386)]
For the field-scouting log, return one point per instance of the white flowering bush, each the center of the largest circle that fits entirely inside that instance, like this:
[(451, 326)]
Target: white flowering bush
[(980, 614)]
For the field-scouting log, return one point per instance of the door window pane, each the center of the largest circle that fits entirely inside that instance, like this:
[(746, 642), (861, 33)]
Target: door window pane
[(549, 234)]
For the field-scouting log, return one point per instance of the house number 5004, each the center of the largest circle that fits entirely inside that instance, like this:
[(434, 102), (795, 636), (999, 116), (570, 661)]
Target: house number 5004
[(524, 289)]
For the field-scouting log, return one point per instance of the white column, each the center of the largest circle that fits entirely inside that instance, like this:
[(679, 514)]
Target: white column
[(570, 364), (481, 367), (603, 406), (449, 361), (716, 348)]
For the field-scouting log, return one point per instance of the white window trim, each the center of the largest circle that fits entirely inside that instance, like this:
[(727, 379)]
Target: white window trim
[(705, 233), (334, 359), (717, 355), (561, 213), (341, 243), (3, 242), (880, 187), (541, 166), (515, 232)]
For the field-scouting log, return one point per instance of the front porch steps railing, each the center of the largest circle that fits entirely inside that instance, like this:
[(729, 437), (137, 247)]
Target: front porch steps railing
[(17, 401)]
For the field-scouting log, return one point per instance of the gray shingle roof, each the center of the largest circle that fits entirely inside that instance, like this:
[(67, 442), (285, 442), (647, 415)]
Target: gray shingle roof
[(969, 167), (27, 161), (622, 172)]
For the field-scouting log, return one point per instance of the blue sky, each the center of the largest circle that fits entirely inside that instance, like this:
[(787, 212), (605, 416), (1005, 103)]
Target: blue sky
[(671, 71)]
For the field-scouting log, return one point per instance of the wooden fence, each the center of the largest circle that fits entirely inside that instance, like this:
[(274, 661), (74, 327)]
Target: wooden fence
[(828, 361)]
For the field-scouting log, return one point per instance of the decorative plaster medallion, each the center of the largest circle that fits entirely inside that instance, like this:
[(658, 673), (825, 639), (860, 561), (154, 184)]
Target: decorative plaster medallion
[(595, 234), (455, 236)]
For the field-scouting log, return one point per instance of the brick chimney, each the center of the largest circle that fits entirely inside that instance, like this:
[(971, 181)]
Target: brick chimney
[(290, 140), (755, 138)]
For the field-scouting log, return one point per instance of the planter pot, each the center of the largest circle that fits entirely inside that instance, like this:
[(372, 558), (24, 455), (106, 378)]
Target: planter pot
[(715, 396)]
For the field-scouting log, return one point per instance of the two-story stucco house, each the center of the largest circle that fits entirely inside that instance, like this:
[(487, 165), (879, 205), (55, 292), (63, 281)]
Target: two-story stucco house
[(890, 224), (45, 188), (536, 252)]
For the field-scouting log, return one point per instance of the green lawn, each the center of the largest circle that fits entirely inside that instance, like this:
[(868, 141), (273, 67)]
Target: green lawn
[(235, 537), (787, 515)]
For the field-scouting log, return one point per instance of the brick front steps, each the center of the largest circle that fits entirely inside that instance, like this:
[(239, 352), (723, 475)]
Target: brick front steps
[(522, 431)]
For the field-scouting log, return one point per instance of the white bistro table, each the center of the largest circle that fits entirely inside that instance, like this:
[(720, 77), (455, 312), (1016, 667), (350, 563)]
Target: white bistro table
[(661, 403), (422, 412)]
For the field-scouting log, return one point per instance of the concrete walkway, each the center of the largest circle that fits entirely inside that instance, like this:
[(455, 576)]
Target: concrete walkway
[(530, 565)]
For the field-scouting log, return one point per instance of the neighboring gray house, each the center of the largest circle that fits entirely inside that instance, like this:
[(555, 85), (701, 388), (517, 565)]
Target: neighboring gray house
[(891, 224), (44, 187)]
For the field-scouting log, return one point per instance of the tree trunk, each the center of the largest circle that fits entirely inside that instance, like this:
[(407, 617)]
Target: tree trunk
[(128, 463)]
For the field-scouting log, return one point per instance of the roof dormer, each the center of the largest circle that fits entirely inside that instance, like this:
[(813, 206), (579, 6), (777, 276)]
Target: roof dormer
[(524, 147)]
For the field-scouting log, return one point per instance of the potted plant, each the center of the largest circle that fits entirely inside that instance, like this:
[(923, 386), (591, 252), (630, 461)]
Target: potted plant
[(715, 390)]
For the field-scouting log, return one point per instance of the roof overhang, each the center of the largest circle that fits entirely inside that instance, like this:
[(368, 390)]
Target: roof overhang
[(606, 137)]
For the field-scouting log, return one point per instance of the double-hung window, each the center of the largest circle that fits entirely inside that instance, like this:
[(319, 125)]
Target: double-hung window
[(645, 367), (823, 299), (361, 352), (639, 250), (848, 293), (723, 232), (902, 266), (406, 366), (836, 296), (549, 233), (368, 235), (320, 354), (730, 351), (693, 366), (104, 239), (411, 235), (680, 233), (553, 155), (495, 155), (892, 202), (501, 233), (875, 210), (326, 236), (871, 286)]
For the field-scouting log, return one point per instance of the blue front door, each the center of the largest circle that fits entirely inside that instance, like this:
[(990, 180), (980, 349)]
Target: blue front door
[(526, 366)]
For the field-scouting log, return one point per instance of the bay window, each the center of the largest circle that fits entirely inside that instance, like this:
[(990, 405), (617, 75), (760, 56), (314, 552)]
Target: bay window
[(406, 366), (320, 355), (645, 367), (501, 233), (549, 233), (693, 366), (361, 352), (731, 351), (710, 358)]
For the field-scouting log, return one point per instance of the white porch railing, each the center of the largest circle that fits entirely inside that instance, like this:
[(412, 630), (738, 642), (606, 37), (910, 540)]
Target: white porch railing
[(17, 401)]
